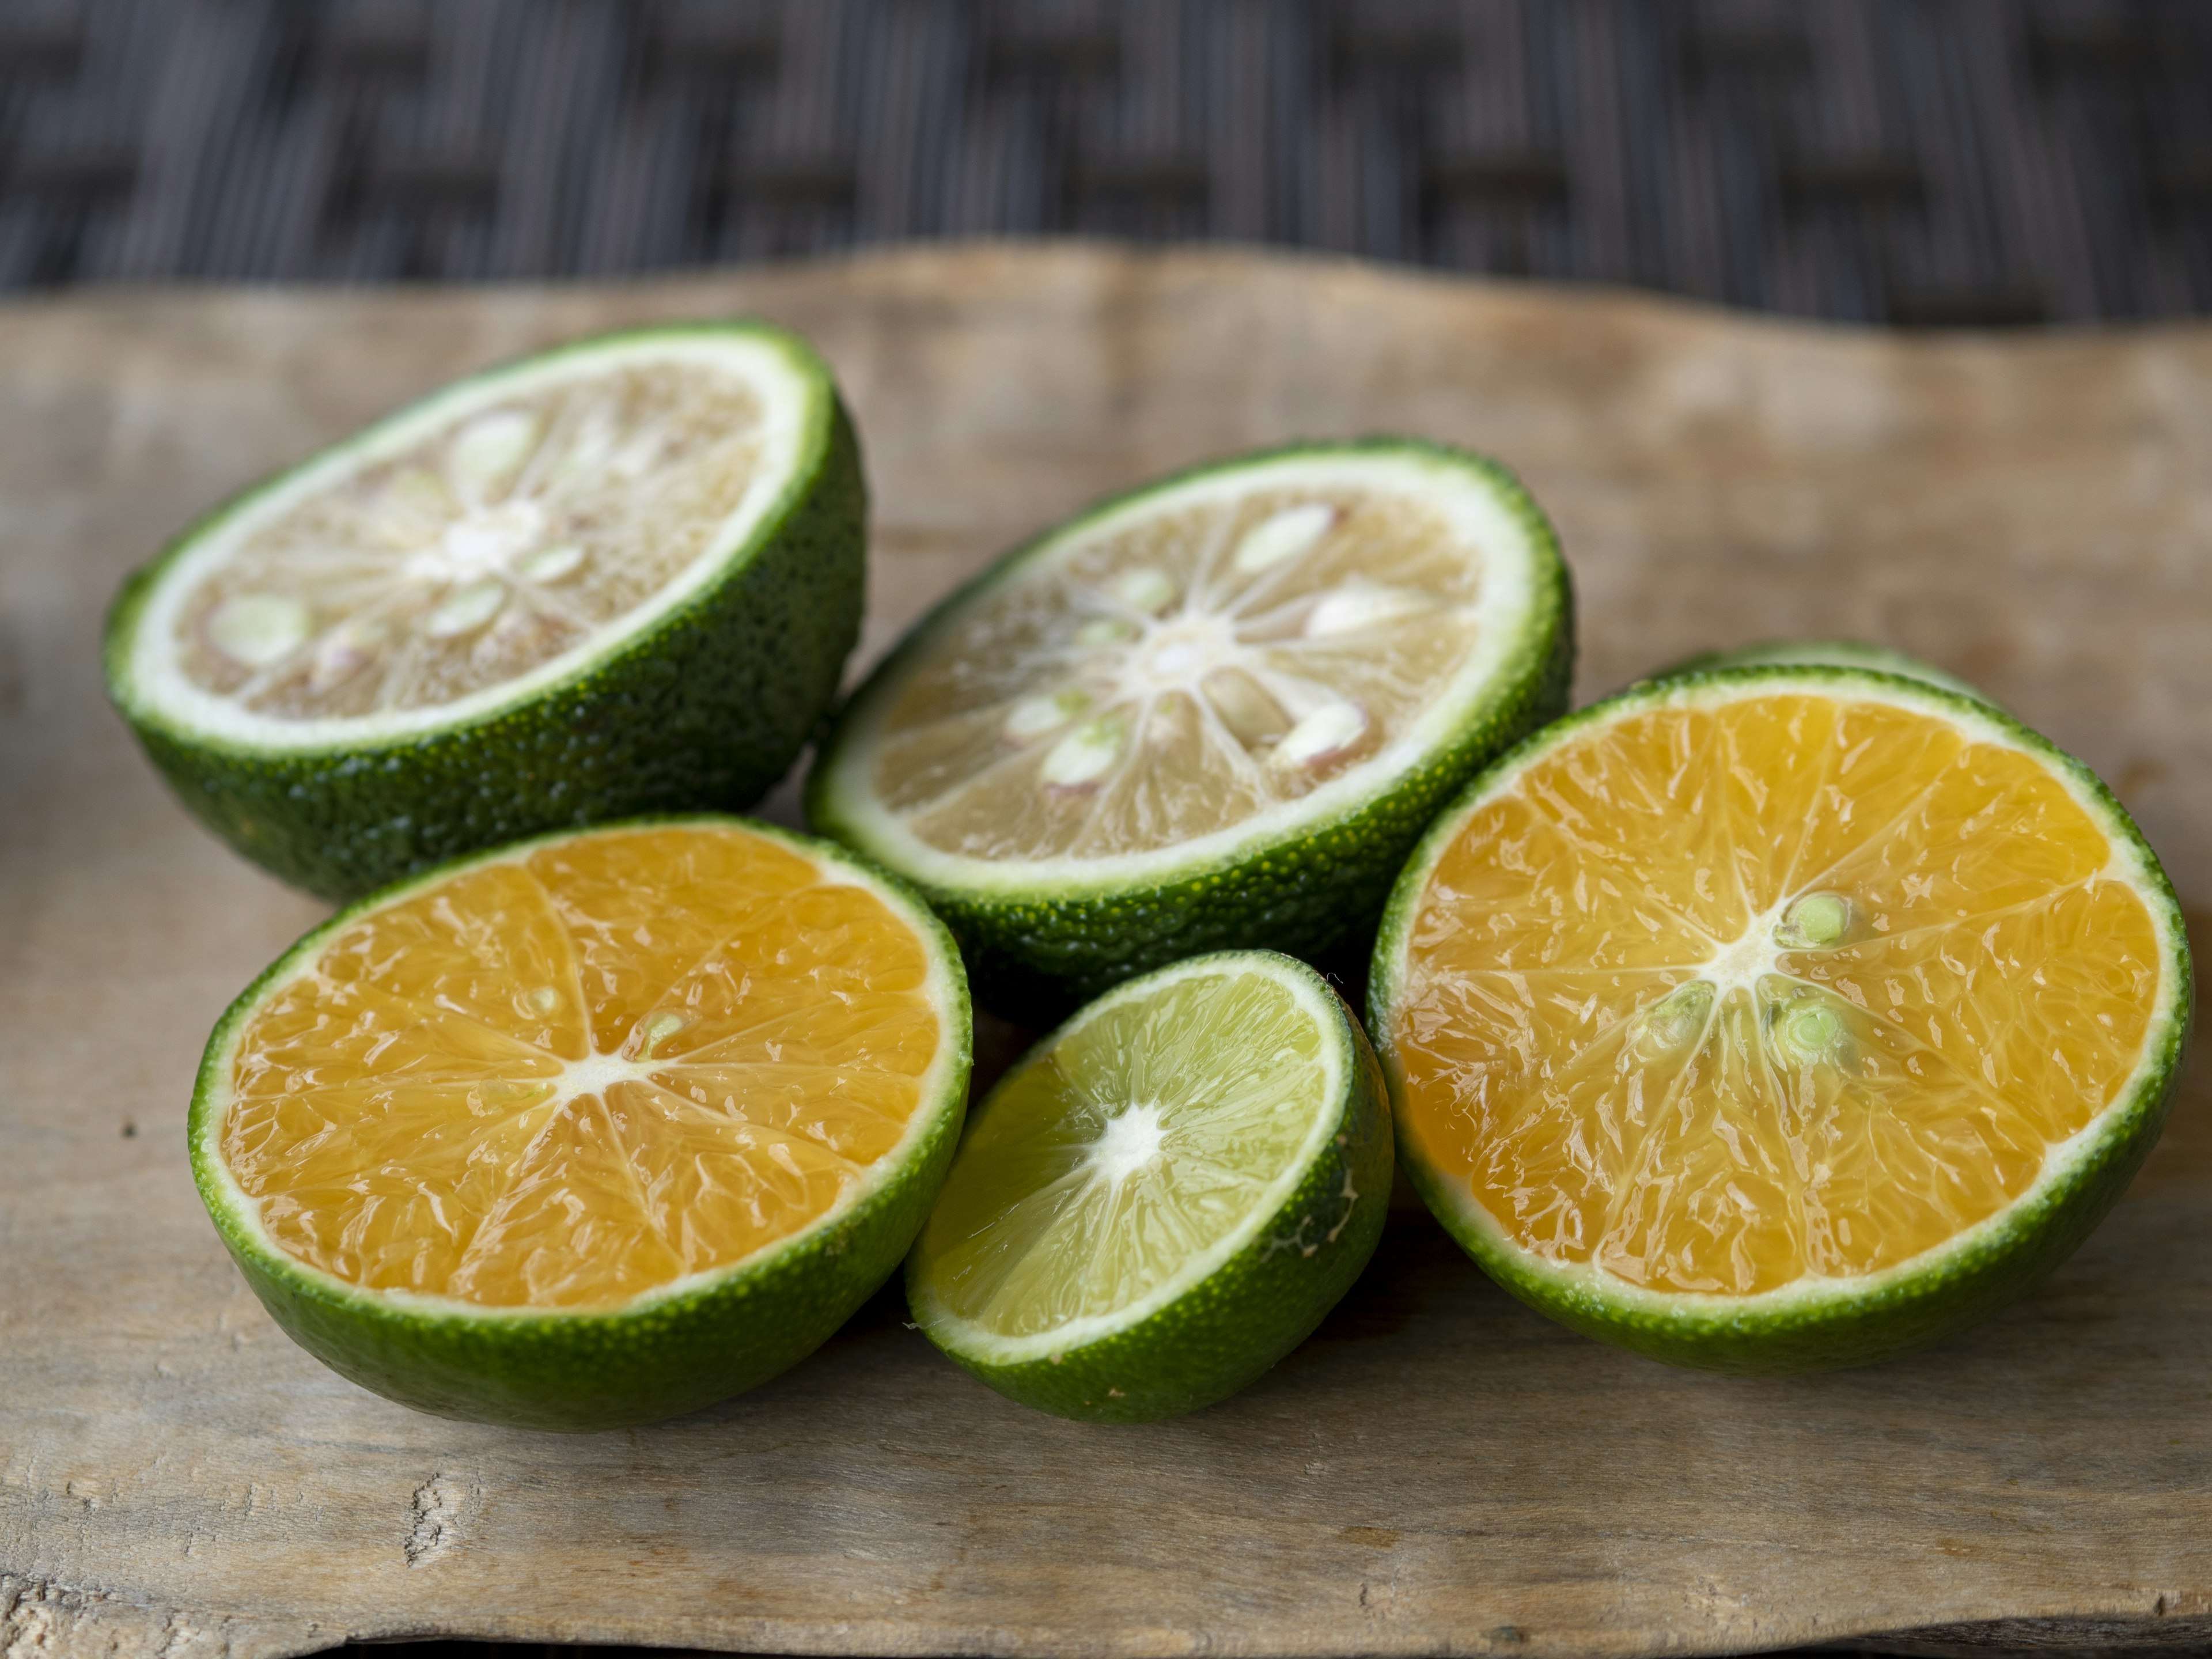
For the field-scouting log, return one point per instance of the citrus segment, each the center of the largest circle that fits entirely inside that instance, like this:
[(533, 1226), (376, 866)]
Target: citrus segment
[(588, 1074), (1127, 741), (1768, 988), (1165, 1198)]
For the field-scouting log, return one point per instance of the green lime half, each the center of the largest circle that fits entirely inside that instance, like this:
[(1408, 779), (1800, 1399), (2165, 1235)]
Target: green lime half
[(1215, 712), (590, 1130), (1831, 653), (620, 577), (1165, 1198), (1779, 1018)]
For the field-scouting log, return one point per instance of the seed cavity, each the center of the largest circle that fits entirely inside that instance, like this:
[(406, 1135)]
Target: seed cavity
[(1330, 734), (488, 450), (1359, 605), (1807, 1031), (420, 492), (257, 630), (466, 609), (1817, 921), (1251, 715), (344, 652), (1086, 754), (1675, 1021), (657, 1030), (1100, 632), (1032, 717), (551, 564), (1289, 534), (1146, 590)]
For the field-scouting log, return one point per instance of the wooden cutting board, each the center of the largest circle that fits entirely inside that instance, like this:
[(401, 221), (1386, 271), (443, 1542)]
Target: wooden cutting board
[(1438, 1470)]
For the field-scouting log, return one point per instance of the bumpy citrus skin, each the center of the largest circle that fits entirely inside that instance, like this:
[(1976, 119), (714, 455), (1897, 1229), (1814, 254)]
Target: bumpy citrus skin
[(1240, 1321), (579, 1372), (1834, 654), (1842, 1323), (705, 709), (1034, 955)]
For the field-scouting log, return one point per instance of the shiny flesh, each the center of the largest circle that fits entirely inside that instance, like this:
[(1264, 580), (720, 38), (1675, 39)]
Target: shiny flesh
[(1724, 998), (572, 1078), (1100, 1173)]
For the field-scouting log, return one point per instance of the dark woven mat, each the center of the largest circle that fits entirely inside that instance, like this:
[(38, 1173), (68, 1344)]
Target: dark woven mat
[(1914, 162)]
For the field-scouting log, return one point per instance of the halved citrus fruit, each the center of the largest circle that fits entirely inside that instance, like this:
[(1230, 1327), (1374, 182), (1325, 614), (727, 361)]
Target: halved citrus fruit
[(1217, 711), (1779, 1018), (619, 577), (1166, 1197), (592, 1130)]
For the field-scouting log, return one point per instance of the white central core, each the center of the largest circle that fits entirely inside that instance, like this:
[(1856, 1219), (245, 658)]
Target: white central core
[(1740, 966), (1184, 652), (596, 1074), (1133, 1140), (482, 543)]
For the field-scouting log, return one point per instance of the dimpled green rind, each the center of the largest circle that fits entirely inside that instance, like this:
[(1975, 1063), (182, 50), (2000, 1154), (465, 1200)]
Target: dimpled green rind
[(719, 1334), (1037, 949), (703, 708), (1223, 1333), (1829, 653), (1825, 1324)]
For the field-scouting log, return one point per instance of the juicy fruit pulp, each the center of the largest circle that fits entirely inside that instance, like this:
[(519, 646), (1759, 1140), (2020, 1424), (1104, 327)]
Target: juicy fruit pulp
[(568, 1079), (1788, 986), (1178, 673), (510, 534), (1165, 1198), (1136, 1144)]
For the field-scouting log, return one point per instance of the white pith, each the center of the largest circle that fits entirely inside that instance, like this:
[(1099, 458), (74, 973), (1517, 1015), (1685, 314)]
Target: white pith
[(935, 1098), (789, 401), (1178, 650), (1124, 1155), (1740, 964)]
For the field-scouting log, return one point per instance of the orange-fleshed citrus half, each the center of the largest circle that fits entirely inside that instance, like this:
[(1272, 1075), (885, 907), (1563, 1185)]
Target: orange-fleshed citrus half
[(1779, 1018), (592, 1130)]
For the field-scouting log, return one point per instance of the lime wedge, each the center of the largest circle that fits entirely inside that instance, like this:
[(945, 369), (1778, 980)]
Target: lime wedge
[(1166, 1197), (619, 577)]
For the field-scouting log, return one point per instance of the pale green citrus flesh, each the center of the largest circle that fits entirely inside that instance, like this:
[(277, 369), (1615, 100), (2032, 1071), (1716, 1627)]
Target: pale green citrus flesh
[(1128, 1158)]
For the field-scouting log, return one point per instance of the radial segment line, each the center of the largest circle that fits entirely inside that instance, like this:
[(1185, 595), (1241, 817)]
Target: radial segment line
[(1872, 835)]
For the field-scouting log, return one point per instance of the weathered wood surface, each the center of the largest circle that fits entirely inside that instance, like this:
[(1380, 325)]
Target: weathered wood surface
[(1438, 1470)]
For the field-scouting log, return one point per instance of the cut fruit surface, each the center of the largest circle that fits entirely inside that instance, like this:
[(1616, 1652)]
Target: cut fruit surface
[(1785, 1000), (1163, 1199), (613, 1074), (595, 530), (1181, 681)]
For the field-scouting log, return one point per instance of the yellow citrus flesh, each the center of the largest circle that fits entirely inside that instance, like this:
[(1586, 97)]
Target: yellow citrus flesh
[(1719, 997), (1179, 673), (567, 1079), (509, 537)]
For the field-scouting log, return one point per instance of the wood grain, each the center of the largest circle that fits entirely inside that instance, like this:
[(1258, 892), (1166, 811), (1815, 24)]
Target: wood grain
[(1437, 1471)]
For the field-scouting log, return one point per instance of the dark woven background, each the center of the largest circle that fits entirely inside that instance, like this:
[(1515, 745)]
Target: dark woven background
[(1914, 162)]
